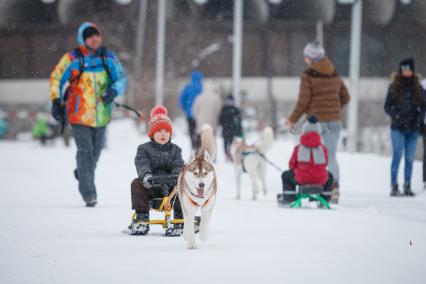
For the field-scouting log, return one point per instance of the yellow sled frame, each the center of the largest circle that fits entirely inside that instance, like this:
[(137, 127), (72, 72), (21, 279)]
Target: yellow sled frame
[(167, 209)]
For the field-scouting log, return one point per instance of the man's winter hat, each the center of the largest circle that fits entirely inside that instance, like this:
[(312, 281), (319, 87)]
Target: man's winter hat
[(314, 50), (89, 32), (82, 28), (159, 120), (407, 64), (311, 125)]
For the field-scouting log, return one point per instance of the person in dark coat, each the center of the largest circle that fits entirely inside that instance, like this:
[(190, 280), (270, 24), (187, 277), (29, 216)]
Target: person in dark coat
[(230, 120), (186, 101), (405, 105), (308, 163), (157, 157)]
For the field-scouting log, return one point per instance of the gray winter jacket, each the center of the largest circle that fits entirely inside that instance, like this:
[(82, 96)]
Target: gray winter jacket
[(156, 159)]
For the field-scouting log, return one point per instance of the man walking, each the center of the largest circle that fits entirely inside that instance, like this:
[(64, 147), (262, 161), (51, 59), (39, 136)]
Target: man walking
[(186, 100), (322, 93), (95, 78)]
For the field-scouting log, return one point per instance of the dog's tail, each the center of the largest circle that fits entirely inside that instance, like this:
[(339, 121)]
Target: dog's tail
[(207, 141), (267, 139)]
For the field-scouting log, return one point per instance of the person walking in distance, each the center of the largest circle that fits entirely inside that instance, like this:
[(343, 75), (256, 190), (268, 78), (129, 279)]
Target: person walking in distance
[(230, 120), (95, 78), (405, 105), (186, 101), (324, 94)]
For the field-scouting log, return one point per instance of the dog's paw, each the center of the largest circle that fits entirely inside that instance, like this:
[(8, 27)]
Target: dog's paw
[(192, 245)]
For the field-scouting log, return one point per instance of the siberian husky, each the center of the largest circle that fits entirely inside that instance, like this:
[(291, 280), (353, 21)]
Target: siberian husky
[(251, 159), (197, 187)]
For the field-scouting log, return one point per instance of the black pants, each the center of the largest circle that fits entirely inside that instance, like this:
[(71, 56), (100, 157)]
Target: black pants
[(227, 141), (424, 157), (192, 135), (141, 197), (290, 183)]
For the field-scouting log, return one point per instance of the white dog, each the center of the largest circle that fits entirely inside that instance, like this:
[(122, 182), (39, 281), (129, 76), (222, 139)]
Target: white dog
[(197, 188), (250, 159)]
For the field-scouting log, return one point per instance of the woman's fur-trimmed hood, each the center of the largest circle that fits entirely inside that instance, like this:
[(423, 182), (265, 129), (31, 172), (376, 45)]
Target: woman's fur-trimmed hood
[(322, 68)]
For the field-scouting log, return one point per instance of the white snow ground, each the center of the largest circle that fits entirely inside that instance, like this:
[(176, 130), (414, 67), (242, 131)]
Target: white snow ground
[(48, 236)]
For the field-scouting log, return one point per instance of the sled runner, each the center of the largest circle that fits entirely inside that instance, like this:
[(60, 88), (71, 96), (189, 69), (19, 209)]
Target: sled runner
[(163, 205), (312, 192)]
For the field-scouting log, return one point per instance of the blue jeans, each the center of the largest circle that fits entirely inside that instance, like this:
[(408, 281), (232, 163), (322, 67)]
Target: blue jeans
[(330, 132), (403, 141)]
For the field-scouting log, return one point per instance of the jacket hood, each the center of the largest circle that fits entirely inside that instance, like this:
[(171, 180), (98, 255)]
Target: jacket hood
[(323, 66), (81, 29), (311, 139), (196, 77), (395, 76)]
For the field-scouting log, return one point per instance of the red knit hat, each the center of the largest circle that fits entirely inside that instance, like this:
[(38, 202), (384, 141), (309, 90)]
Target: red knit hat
[(159, 120)]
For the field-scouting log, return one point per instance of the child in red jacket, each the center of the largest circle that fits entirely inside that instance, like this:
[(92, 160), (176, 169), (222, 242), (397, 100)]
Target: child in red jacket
[(308, 164)]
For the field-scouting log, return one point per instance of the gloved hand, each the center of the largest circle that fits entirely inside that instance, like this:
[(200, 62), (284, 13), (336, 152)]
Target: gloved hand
[(109, 96), (58, 110), (146, 181)]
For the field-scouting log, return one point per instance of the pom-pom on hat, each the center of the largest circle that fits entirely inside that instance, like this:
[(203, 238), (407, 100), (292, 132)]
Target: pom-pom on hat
[(407, 63), (159, 120), (311, 125), (314, 50)]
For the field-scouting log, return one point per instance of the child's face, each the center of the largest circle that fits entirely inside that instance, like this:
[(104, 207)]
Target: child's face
[(162, 136)]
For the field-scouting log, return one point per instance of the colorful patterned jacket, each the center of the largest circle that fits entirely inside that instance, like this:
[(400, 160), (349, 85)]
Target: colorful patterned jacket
[(84, 104)]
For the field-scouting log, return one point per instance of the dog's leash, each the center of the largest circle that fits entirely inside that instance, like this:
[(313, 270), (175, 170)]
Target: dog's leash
[(269, 161)]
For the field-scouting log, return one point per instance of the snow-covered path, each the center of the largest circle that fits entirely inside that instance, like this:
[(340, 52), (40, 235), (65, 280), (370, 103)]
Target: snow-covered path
[(48, 236)]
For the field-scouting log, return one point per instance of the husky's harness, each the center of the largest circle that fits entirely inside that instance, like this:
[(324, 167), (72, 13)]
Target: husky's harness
[(243, 156)]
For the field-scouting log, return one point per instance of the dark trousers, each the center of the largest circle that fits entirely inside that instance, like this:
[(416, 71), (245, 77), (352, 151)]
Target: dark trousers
[(89, 141), (227, 141), (424, 157), (290, 183), (141, 197), (192, 135)]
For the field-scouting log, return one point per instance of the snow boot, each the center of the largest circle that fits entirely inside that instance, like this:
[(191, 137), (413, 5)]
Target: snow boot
[(395, 190), (285, 200), (91, 201), (407, 190), (197, 223), (335, 193), (139, 225), (175, 231)]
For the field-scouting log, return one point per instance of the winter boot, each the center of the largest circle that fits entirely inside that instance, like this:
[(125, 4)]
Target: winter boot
[(197, 222), (139, 225), (407, 190), (91, 201), (175, 231), (395, 190), (335, 193), (284, 200)]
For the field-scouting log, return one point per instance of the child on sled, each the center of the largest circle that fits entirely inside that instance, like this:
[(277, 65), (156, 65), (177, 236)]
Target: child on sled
[(157, 157), (308, 164)]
